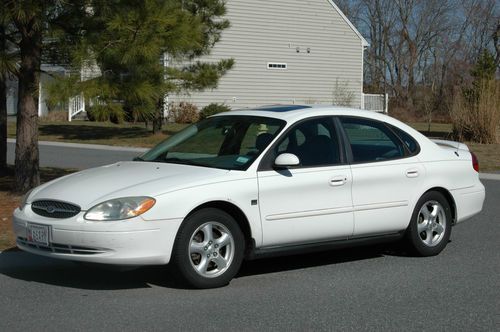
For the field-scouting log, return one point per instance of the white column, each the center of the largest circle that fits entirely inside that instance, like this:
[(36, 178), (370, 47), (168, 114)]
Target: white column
[(166, 62), (40, 98), (70, 106)]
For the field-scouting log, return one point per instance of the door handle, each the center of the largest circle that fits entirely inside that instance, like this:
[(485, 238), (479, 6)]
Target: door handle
[(412, 173), (338, 181)]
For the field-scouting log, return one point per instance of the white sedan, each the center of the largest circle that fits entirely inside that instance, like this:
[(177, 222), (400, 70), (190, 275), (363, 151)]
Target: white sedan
[(253, 183)]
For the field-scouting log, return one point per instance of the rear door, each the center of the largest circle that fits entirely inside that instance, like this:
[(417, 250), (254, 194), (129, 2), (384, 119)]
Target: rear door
[(387, 176)]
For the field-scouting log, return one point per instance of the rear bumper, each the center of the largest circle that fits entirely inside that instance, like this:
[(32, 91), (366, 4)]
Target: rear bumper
[(469, 201), (131, 242)]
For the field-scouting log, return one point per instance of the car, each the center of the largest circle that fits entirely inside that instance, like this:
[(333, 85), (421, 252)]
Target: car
[(255, 183)]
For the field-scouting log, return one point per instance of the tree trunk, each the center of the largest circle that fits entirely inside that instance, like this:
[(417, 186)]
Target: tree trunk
[(27, 156), (3, 126), (158, 118), (3, 109)]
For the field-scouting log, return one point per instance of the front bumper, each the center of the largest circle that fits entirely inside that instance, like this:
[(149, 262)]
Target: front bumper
[(130, 242)]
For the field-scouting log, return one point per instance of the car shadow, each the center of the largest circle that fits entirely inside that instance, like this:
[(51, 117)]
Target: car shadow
[(323, 258), (32, 268)]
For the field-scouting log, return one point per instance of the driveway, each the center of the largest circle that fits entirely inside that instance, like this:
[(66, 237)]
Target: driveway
[(372, 288)]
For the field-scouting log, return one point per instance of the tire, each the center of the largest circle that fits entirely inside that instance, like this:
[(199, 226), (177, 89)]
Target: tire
[(208, 249), (430, 225)]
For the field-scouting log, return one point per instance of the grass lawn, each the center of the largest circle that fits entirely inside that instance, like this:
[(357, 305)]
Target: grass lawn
[(488, 156), (437, 130), (9, 201), (106, 133)]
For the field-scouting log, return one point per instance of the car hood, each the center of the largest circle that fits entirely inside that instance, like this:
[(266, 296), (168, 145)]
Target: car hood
[(90, 187)]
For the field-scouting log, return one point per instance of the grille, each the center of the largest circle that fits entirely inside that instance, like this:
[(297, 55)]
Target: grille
[(55, 209), (60, 248)]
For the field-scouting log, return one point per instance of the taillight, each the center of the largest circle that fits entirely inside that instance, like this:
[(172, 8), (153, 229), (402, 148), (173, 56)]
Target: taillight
[(475, 162)]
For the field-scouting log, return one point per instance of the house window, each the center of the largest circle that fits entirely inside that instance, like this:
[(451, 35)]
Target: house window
[(274, 65)]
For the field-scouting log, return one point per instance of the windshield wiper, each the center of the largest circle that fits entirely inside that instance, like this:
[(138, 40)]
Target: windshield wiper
[(138, 159), (181, 161)]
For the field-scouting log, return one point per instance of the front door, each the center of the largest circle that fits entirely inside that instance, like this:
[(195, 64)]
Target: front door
[(311, 202)]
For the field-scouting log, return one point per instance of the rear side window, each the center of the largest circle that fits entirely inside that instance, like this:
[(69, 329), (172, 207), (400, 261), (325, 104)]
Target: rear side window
[(371, 141), (409, 141)]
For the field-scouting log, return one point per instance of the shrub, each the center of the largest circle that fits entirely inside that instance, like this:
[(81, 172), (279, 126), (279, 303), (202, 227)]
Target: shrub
[(212, 109), (55, 116), (112, 112), (183, 112), (476, 116), (139, 113), (342, 95)]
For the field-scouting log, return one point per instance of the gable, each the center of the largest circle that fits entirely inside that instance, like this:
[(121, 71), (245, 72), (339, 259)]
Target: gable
[(363, 40)]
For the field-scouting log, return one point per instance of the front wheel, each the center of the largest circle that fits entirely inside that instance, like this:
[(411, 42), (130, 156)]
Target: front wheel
[(430, 225), (209, 249)]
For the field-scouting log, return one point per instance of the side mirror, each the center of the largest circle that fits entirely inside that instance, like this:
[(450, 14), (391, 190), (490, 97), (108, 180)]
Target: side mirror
[(286, 160)]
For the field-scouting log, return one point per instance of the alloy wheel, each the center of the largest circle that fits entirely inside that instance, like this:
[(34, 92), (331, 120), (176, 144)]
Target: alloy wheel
[(211, 249), (431, 223)]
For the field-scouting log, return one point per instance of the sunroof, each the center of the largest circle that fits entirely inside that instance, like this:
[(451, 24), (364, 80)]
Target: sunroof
[(282, 108)]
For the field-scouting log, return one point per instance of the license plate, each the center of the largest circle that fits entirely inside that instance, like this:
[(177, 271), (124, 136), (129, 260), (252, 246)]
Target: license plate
[(38, 234)]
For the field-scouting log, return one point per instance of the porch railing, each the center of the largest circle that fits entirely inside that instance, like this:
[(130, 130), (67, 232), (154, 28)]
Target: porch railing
[(76, 105), (375, 102)]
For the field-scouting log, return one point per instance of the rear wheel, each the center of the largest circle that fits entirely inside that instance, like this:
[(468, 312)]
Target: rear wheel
[(430, 225), (208, 249)]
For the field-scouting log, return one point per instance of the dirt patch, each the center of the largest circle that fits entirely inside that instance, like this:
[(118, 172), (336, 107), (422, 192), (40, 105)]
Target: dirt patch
[(8, 203)]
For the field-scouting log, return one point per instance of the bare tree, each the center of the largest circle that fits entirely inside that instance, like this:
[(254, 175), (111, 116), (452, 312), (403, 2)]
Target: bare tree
[(424, 46), (496, 43)]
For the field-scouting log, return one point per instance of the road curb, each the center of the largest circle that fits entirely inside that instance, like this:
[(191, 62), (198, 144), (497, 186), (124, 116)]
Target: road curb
[(489, 176), (87, 146)]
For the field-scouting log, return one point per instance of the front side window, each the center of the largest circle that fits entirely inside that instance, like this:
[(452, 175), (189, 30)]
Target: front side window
[(228, 142), (313, 141), (371, 141)]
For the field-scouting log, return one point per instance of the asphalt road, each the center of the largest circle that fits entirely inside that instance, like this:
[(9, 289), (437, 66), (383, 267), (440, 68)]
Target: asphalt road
[(372, 288), (78, 156)]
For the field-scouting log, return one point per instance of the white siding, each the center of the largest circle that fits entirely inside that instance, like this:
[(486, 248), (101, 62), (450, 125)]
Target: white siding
[(12, 97), (264, 31)]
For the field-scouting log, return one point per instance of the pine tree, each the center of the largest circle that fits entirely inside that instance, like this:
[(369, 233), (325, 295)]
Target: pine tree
[(485, 67), (26, 18), (36, 30), (128, 40)]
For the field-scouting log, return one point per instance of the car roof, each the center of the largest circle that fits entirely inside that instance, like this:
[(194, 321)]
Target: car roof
[(293, 113)]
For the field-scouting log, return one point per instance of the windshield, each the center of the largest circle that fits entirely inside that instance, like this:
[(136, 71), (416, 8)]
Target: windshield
[(229, 142)]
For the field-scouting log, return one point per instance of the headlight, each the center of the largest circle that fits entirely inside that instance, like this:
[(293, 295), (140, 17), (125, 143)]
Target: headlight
[(120, 208), (25, 200)]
